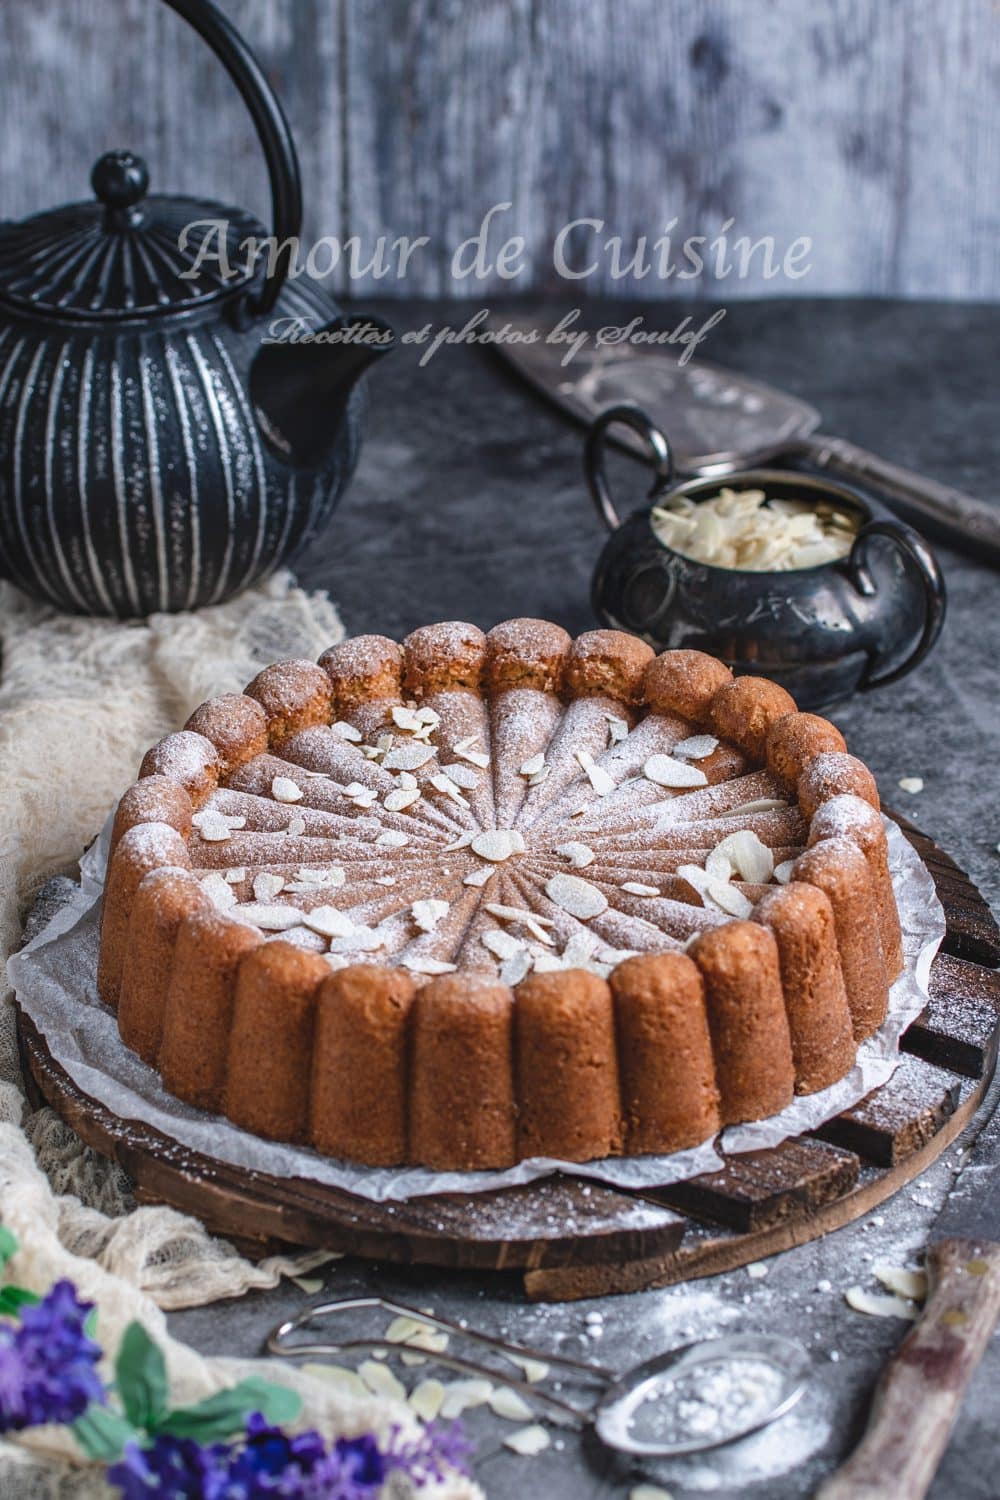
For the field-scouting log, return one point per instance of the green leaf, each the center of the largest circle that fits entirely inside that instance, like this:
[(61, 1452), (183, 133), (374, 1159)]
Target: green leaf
[(225, 1413), (102, 1433), (8, 1246), (13, 1298), (142, 1378), (90, 1324)]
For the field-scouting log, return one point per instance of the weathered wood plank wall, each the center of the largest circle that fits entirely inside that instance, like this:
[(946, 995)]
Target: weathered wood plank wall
[(870, 126)]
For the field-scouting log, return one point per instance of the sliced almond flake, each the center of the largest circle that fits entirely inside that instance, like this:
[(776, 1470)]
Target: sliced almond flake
[(345, 731), (528, 1441), (463, 1395), (904, 1281), (479, 877), (236, 875), (783, 872), (664, 770), (719, 866), (617, 728), (516, 968), (296, 827), (336, 961), (269, 918), (402, 1329), (371, 752), (408, 1358), (219, 890), (501, 944), (329, 922), (428, 966), (408, 757), (211, 814), (534, 926), (548, 963), (213, 828), (462, 842), (426, 1398), (408, 780), (878, 1306), (392, 838), (405, 718), (729, 898), (383, 743), (534, 1369), (266, 887), (498, 844), (599, 779), (759, 804), (636, 888), (385, 880), (911, 784), (447, 788), (465, 750), (751, 859), (284, 789), (381, 1381), (400, 799), (533, 765), (462, 775), (579, 855), (579, 950), (649, 1492), (508, 1404), (427, 914), (539, 776), (696, 747), (428, 717), (360, 939), (576, 896), (516, 914), (332, 876)]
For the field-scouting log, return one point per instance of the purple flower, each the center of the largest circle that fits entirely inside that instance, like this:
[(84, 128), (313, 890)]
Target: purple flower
[(270, 1465), (48, 1365)]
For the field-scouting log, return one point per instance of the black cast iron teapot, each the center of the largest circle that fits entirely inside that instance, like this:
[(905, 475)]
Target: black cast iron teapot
[(160, 447), (823, 632)]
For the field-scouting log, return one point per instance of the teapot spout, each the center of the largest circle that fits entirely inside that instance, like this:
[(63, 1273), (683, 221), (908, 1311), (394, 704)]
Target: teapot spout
[(300, 384)]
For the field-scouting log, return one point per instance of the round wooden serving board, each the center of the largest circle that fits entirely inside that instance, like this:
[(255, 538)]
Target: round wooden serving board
[(573, 1238)]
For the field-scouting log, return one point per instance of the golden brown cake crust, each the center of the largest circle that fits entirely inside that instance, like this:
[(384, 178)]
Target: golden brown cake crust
[(795, 740), (668, 1087), (449, 886), (294, 695), (236, 726), (363, 669), (608, 663), (526, 654), (833, 774), (684, 683), (451, 654), (744, 710)]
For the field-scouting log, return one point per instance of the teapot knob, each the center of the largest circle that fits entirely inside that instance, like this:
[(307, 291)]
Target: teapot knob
[(120, 180)]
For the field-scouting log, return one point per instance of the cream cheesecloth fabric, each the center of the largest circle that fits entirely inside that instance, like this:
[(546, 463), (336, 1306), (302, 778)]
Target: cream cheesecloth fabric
[(80, 701)]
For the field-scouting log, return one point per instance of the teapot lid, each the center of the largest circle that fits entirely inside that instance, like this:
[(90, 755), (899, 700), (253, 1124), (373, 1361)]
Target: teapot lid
[(121, 256)]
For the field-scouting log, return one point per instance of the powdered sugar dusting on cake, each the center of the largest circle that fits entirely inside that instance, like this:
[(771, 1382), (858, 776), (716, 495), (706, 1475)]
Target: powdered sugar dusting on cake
[(550, 848)]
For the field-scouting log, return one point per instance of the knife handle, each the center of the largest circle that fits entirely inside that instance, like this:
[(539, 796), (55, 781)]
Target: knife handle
[(918, 1398), (925, 503)]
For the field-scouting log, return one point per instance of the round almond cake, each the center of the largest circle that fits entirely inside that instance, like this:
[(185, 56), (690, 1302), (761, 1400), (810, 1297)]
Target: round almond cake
[(483, 897)]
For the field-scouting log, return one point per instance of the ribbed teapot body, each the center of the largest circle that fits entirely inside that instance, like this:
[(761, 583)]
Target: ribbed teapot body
[(134, 474)]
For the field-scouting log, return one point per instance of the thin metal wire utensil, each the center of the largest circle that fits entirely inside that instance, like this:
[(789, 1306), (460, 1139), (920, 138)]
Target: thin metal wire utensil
[(627, 1400)]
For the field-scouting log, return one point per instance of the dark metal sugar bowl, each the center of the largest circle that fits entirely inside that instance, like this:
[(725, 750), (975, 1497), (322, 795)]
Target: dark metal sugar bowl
[(823, 632), (176, 419)]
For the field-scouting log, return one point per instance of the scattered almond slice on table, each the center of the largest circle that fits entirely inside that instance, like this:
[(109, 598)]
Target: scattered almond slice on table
[(879, 1306), (904, 1281), (911, 784), (528, 1441), (426, 1399)]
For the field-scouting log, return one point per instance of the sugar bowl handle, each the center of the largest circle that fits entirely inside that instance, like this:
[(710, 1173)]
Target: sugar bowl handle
[(919, 560), (632, 416)]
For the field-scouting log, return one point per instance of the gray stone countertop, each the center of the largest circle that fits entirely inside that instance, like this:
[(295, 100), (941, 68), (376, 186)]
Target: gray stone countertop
[(469, 503)]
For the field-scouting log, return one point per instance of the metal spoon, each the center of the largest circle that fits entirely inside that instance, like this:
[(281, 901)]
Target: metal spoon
[(623, 1396)]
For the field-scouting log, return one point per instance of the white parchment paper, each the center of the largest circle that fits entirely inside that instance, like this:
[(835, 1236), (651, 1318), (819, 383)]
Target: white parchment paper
[(54, 977)]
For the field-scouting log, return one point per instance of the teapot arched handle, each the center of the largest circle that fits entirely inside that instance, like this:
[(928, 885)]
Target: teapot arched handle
[(272, 128), (632, 416), (922, 561)]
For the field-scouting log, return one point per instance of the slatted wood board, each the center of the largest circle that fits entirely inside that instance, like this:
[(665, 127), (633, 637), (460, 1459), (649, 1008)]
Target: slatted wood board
[(571, 1238)]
